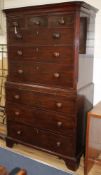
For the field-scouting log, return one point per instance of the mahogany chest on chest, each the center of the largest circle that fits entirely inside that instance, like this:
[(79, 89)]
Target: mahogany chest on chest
[(49, 86)]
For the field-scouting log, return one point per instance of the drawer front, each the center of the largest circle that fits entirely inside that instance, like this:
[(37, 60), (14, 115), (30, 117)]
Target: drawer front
[(61, 20), (42, 36), (43, 139), (41, 100), (42, 119), (57, 75), (15, 23), (53, 54), (36, 21)]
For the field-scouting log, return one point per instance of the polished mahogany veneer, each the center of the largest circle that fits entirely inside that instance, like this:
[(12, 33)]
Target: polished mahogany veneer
[(49, 86)]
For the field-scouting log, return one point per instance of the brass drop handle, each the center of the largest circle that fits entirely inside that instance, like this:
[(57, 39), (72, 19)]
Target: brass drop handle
[(56, 75), (59, 105), (58, 144), (59, 124), (15, 24), (19, 52), (16, 96), (56, 54), (18, 35), (17, 113), (37, 49), (61, 21), (36, 130), (37, 33), (56, 35), (19, 132), (36, 22), (20, 71), (37, 67)]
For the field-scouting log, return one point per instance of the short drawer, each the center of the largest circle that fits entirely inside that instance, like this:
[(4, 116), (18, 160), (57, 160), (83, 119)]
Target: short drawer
[(51, 54), (42, 139), (55, 75), (40, 118), (44, 36), (16, 22), (61, 20), (46, 101), (34, 21)]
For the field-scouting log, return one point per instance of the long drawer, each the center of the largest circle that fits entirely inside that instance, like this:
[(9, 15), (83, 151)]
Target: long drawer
[(42, 139), (59, 75), (41, 100), (42, 36), (52, 54), (47, 120)]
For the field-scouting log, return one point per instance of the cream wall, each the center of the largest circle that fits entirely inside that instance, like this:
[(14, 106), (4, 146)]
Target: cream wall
[(19, 3), (97, 54)]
